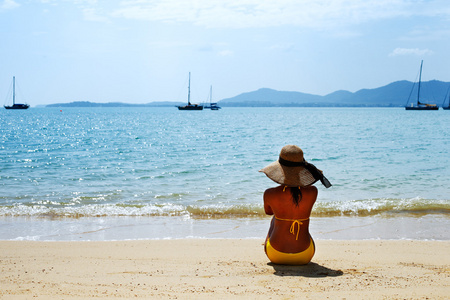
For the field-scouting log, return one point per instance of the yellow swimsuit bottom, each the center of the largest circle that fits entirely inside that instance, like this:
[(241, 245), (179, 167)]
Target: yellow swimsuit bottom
[(300, 258)]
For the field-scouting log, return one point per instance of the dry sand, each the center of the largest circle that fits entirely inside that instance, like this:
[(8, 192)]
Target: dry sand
[(222, 269)]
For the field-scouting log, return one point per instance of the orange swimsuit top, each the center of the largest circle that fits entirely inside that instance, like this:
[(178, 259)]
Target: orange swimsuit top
[(294, 221)]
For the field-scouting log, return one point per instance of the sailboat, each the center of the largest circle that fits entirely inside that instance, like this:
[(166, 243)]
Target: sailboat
[(448, 99), (212, 105), (420, 105), (16, 105), (190, 106)]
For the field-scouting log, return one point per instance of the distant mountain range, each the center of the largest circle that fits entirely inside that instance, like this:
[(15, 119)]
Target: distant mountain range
[(395, 94)]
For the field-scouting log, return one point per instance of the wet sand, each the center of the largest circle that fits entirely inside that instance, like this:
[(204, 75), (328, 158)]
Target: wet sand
[(427, 227)]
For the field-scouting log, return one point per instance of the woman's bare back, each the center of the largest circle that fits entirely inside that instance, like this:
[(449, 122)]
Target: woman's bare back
[(278, 202)]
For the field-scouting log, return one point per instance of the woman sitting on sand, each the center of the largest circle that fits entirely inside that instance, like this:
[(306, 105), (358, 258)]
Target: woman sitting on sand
[(288, 241)]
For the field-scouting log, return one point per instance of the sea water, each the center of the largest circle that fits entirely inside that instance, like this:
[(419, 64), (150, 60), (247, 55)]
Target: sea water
[(151, 173)]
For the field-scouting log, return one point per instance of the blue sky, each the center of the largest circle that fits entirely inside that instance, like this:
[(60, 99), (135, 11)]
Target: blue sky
[(140, 51)]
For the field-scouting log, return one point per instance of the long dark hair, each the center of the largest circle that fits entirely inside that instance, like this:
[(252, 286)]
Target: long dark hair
[(296, 195)]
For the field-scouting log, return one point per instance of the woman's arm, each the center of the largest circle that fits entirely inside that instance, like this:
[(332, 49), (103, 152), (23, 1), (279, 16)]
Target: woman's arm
[(267, 208)]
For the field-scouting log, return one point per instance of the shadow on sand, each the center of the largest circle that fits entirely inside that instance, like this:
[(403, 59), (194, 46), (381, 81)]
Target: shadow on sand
[(309, 270)]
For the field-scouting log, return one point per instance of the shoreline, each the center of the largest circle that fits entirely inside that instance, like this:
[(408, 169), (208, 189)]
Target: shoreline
[(223, 269), (427, 227)]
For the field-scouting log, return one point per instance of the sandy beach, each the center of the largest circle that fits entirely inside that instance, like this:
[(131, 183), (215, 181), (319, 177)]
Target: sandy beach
[(224, 269)]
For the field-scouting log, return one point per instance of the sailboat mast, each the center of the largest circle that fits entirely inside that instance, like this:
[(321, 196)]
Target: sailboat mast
[(14, 90), (420, 79), (189, 90), (210, 94)]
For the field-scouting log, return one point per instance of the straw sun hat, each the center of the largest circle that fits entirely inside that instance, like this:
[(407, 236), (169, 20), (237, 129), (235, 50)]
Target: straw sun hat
[(292, 169)]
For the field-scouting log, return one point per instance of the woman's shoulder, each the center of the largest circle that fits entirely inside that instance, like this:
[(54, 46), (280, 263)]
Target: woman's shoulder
[(274, 190), (310, 194), (273, 193)]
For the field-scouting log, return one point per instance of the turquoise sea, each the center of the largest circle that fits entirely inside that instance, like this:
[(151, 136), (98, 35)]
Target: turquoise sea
[(155, 173)]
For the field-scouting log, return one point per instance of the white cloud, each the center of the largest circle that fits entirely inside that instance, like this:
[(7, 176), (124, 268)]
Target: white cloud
[(410, 51), (316, 14), (89, 8), (8, 4), (265, 13)]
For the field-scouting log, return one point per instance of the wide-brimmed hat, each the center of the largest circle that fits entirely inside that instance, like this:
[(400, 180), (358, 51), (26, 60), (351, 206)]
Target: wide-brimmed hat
[(292, 169)]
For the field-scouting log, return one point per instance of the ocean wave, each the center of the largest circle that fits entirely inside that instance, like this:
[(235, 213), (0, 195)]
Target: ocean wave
[(382, 206), (358, 208)]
